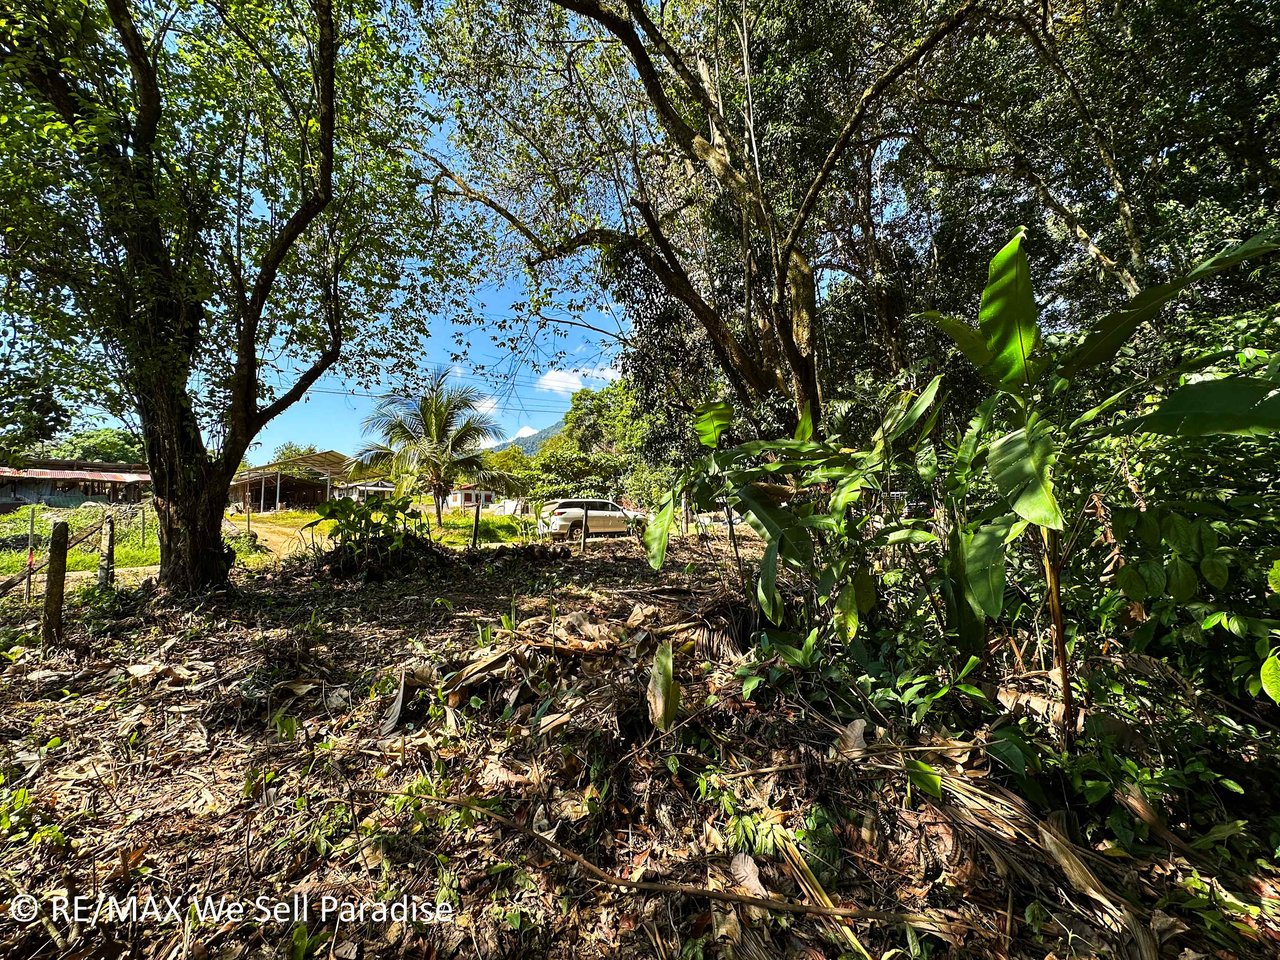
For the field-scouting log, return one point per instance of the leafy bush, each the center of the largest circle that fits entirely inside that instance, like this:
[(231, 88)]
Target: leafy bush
[(378, 524), (1129, 534)]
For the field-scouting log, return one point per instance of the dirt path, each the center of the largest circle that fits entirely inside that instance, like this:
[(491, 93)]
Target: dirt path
[(280, 540)]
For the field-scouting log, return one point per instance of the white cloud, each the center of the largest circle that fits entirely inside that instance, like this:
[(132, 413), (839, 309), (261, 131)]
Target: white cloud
[(568, 382), (488, 442), (525, 431), (488, 406), (564, 382)]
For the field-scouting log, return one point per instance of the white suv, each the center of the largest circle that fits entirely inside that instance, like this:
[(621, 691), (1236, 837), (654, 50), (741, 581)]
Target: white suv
[(564, 518)]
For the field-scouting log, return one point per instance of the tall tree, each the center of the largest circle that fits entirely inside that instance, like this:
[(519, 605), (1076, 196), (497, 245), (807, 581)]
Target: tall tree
[(803, 180), (214, 195), (107, 444), (33, 413), (666, 98), (430, 441)]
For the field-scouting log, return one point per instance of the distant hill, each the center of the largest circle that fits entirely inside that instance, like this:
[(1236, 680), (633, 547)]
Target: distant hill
[(531, 443)]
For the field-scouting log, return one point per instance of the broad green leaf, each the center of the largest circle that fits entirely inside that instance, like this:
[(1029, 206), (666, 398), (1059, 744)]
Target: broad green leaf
[(1007, 318), (914, 412), (1215, 571), (1179, 534), (970, 341), (864, 586), (846, 492), (1206, 538), (801, 656), (1122, 521), (664, 692), (1111, 332), (658, 531), (774, 524), (1008, 753), (1271, 677), (924, 777), (1191, 366), (984, 562), (1130, 579), (927, 462), (962, 613), (1273, 577), (767, 586), (897, 535), (1020, 463), (1148, 529), (1152, 571), (846, 608), (804, 429), (711, 420), (1181, 579), (1239, 405), (971, 443)]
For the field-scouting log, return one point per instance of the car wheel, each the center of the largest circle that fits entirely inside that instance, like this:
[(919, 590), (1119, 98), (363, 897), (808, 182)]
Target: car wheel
[(575, 531)]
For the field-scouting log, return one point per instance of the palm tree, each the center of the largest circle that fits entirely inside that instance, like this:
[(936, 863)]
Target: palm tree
[(429, 441)]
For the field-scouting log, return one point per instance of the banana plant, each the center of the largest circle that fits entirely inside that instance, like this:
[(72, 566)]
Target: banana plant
[(1007, 348)]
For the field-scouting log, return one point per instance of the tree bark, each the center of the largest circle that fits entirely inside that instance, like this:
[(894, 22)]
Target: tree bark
[(193, 556), (191, 486)]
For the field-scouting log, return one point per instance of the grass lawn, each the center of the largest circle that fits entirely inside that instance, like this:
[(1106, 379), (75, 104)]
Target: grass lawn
[(130, 550), (456, 531)]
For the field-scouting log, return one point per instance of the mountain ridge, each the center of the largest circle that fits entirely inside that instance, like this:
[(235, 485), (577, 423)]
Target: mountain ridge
[(531, 443)]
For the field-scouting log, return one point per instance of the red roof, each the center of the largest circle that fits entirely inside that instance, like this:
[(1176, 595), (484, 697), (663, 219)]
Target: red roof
[(109, 476)]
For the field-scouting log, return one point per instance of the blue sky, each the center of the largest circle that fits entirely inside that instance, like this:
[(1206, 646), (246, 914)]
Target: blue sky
[(523, 393)]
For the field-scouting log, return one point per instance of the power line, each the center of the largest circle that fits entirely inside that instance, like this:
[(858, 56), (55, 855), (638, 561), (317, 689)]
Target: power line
[(505, 404)]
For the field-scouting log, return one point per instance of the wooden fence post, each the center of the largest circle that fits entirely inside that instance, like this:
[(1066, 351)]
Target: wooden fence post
[(31, 553), (55, 583), (107, 553), (586, 516), (475, 527)]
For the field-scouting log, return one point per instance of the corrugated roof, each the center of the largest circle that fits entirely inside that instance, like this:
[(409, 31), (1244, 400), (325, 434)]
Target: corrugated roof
[(34, 473), (326, 463)]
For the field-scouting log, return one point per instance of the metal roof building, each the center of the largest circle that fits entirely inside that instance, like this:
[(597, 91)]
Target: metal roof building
[(302, 481), (69, 483)]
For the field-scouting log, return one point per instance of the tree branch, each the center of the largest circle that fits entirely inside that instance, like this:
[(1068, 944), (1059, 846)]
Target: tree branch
[(918, 53), (144, 76), (244, 414), (714, 157)]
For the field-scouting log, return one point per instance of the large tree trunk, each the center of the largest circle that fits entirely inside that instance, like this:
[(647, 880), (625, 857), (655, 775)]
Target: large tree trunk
[(191, 486), (192, 553)]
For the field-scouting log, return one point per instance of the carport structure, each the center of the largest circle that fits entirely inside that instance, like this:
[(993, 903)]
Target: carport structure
[(302, 481)]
